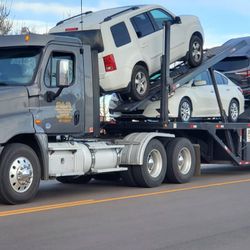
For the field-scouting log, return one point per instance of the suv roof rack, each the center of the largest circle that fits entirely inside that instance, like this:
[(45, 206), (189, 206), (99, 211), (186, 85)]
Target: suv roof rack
[(108, 18), (67, 19)]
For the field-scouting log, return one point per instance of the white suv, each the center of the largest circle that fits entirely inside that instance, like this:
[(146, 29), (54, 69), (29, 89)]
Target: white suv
[(130, 44)]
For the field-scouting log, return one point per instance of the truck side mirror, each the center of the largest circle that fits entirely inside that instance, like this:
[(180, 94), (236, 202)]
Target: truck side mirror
[(63, 78), (177, 20)]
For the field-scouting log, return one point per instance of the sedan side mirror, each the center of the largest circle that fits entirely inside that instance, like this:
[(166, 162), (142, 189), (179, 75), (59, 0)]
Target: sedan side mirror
[(200, 83), (63, 78), (177, 20)]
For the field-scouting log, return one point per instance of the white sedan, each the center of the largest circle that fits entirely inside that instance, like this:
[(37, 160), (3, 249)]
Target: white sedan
[(197, 99)]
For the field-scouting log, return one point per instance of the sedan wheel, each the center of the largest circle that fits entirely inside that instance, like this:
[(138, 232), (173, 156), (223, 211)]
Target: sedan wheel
[(185, 110), (233, 112)]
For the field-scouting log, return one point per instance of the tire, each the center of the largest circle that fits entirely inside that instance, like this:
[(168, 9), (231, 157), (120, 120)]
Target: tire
[(75, 179), (128, 177), (139, 83), (233, 111), (20, 174), (195, 54), (153, 171), (185, 110), (181, 161)]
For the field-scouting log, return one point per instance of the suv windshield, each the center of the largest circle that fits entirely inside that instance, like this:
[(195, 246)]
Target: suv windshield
[(18, 65)]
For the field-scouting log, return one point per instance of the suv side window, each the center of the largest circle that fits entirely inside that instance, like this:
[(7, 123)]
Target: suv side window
[(51, 69), (142, 25), (159, 17), (120, 34)]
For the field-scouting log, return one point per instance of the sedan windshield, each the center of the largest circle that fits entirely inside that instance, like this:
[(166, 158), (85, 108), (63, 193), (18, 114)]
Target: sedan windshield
[(18, 65)]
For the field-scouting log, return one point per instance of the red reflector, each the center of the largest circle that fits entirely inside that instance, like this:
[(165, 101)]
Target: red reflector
[(109, 63), (71, 29), (192, 126)]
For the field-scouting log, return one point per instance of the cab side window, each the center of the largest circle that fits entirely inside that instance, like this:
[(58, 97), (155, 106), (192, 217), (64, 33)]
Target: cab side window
[(142, 25), (52, 67), (159, 17)]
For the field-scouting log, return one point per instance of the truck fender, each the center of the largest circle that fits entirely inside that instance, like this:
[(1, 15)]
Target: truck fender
[(135, 146)]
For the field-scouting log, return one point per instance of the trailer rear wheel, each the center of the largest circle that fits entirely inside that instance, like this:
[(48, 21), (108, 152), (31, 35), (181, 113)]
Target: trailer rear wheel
[(20, 174), (75, 179), (181, 161), (153, 170)]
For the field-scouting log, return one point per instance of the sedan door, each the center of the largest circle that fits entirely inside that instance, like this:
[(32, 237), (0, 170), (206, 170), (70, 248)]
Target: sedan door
[(203, 96)]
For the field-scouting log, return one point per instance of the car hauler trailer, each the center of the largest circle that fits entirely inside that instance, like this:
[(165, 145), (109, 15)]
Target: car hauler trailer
[(50, 122)]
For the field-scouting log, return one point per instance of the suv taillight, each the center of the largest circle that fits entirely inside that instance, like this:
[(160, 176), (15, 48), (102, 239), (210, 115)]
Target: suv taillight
[(245, 73), (109, 63)]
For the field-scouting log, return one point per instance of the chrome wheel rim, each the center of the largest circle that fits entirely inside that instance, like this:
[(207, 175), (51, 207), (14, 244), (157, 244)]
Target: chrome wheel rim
[(234, 111), (21, 175), (141, 83), (184, 161), (185, 111), (196, 51), (154, 163)]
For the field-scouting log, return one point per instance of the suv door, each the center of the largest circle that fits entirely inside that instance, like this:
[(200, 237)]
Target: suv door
[(65, 114), (159, 16), (147, 41)]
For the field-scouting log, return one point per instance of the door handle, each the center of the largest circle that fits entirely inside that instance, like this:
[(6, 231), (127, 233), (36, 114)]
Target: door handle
[(76, 117)]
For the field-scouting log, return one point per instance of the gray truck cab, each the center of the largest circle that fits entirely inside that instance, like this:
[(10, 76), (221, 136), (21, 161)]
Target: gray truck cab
[(45, 86)]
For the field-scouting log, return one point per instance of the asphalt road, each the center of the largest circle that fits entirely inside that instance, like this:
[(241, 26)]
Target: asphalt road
[(211, 212)]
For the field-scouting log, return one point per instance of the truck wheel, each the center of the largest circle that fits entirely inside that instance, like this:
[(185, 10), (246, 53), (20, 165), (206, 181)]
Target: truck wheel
[(20, 174), (75, 179), (233, 111), (153, 170), (139, 83), (128, 177), (181, 161), (195, 51)]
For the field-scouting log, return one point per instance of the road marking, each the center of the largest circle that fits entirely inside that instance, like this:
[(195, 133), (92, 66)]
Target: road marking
[(92, 202)]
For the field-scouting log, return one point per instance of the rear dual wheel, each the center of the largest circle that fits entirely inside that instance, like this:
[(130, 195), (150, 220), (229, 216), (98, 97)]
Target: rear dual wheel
[(153, 170), (177, 166)]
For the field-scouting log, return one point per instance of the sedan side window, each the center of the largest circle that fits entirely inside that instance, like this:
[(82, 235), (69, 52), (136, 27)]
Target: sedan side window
[(160, 16), (219, 79), (142, 25), (204, 76)]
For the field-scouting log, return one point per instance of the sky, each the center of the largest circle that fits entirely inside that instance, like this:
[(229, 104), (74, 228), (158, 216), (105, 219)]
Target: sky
[(221, 19)]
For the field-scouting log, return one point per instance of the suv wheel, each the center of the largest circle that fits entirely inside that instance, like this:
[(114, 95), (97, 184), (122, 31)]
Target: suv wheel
[(195, 51), (139, 83)]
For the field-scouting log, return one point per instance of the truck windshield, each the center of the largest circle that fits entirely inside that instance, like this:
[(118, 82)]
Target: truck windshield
[(18, 65)]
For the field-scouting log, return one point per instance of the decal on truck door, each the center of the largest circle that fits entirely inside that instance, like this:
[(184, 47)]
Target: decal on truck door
[(64, 112)]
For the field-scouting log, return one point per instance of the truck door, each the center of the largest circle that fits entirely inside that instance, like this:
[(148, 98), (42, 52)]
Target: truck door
[(65, 114)]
